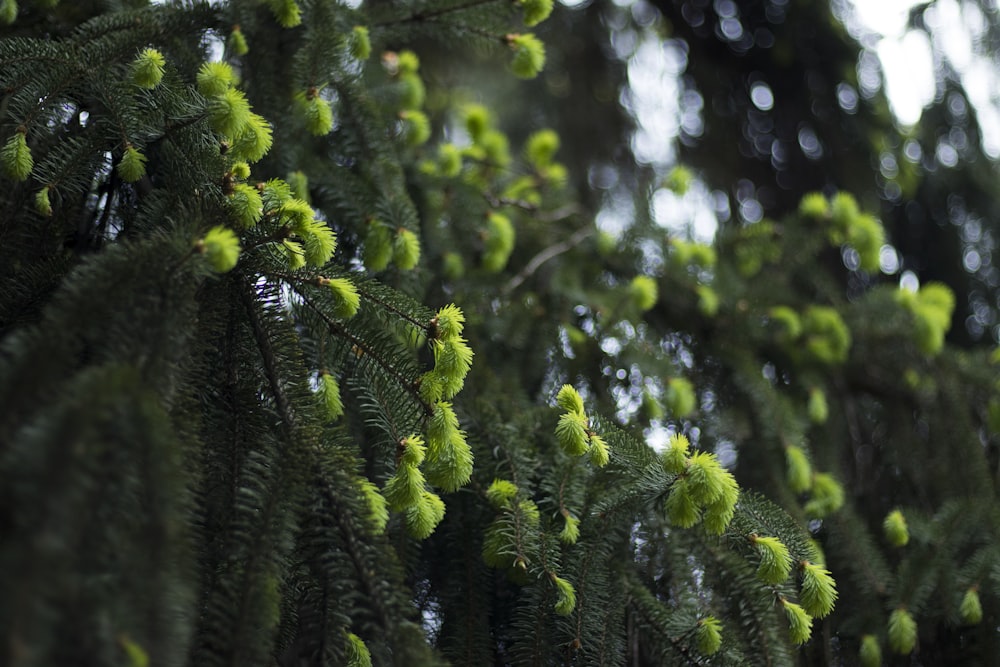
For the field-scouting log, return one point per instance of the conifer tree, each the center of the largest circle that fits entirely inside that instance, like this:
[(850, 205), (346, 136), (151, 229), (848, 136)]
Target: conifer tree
[(305, 360)]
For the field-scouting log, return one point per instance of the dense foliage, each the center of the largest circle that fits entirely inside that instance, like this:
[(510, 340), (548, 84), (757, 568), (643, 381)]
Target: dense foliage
[(314, 351)]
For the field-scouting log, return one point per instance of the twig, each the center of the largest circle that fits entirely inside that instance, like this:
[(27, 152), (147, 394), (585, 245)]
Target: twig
[(545, 255)]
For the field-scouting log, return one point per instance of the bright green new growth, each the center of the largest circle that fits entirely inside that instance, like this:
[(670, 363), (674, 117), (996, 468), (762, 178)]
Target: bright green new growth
[(800, 476), (529, 55), (799, 622), (819, 411), (316, 112), (720, 512), (448, 322), (136, 654), (814, 205), (566, 596), (412, 450), (827, 496), (423, 516), (345, 297), (708, 300), (643, 292), (902, 631), (407, 62), (329, 391), (147, 68), (449, 162), (786, 322), (42, 202), (843, 210), (679, 397), (15, 157), (571, 529), (377, 251), (477, 121), (378, 508), (679, 180), (971, 609), (405, 249), (416, 127), (827, 339), (360, 44), (499, 242), (675, 454), (541, 147), (404, 488), (535, 11), (229, 112), (319, 240), (600, 455), (246, 205), (286, 12), (452, 361), (237, 42), (775, 561), (501, 492), (409, 86), (449, 457), (295, 254), (870, 652), (357, 652), (241, 170), (571, 432), (687, 253), (573, 429), (8, 11), (709, 635), (705, 478), (254, 140), (221, 247), (214, 79), (569, 399), (932, 307), (682, 511), (895, 529), (819, 591)]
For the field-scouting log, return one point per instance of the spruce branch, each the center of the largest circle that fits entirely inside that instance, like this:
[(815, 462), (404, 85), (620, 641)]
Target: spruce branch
[(335, 328), (433, 14)]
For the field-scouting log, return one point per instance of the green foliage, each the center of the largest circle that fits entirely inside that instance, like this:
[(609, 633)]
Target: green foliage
[(230, 336), (971, 609), (529, 55), (15, 157), (221, 248), (775, 561), (895, 529), (870, 653), (358, 654), (536, 11), (643, 292), (819, 592), (147, 68), (709, 635), (800, 475), (360, 43), (799, 622), (132, 166), (902, 631)]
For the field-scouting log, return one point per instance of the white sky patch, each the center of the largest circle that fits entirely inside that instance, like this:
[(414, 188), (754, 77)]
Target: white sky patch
[(957, 29), (909, 75), (689, 216), (654, 87)]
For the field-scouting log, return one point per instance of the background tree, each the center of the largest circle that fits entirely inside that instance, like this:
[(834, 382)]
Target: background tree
[(243, 424)]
